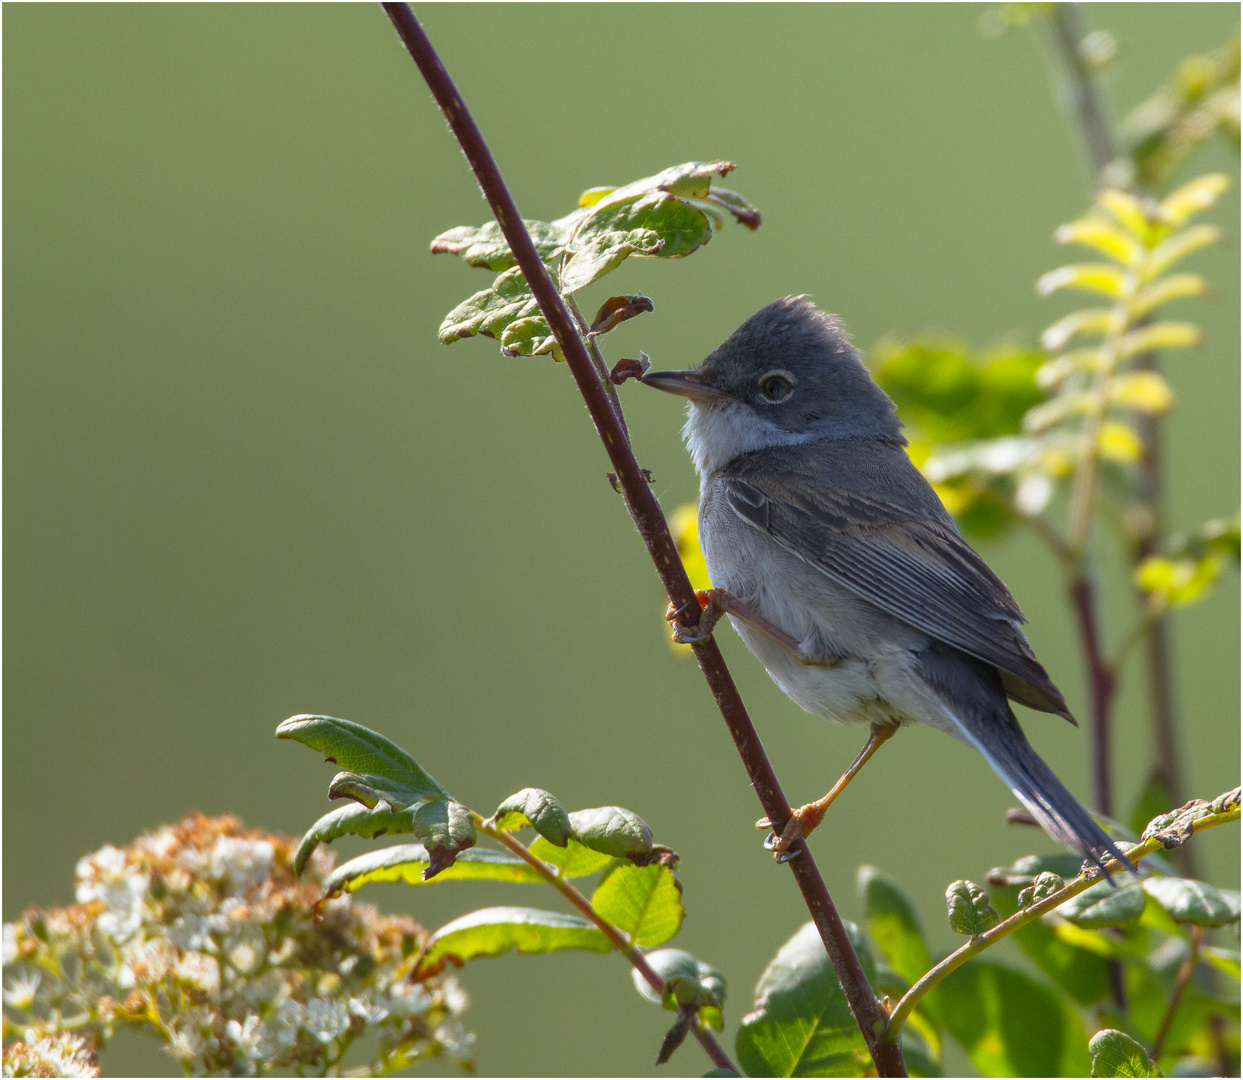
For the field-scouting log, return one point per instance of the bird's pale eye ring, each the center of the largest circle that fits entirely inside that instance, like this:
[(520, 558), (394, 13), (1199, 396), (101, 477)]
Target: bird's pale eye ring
[(776, 386)]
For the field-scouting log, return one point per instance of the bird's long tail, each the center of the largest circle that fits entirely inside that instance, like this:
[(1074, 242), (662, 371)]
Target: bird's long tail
[(982, 715)]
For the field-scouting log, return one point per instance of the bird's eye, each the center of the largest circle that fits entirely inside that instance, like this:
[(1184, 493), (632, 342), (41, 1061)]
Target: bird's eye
[(776, 386)]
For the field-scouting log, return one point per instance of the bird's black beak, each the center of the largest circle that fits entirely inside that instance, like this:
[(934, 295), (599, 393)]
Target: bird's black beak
[(687, 384)]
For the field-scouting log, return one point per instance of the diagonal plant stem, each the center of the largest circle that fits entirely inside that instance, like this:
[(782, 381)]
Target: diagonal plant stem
[(650, 521), (620, 941), (955, 960), (1184, 977)]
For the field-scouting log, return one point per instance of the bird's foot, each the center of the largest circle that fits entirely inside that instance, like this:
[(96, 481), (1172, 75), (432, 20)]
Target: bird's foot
[(802, 822), (710, 602)]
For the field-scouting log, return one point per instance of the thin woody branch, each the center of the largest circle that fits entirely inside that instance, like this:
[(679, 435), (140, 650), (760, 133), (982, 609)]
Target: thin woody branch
[(650, 521)]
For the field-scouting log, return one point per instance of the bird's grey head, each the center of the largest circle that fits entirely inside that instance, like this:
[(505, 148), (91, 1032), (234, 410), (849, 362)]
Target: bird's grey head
[(788, 375)]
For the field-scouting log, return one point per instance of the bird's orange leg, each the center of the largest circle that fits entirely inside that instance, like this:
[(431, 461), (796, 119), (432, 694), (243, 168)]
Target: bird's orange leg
[(806, 818), (719, 602)]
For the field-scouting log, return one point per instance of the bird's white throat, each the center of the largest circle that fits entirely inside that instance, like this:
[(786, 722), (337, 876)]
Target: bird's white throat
[(716, 434)]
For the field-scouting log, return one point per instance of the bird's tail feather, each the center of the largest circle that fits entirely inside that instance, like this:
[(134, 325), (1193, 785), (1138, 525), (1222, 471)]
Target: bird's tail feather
[(976, 701), (1035, 785)]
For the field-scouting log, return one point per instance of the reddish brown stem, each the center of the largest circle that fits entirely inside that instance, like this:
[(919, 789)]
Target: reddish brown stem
[(1101, 685), (650, 521)]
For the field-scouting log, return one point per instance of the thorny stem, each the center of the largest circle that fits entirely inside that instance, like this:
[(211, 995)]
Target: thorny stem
[(1021, 918), (620, 941), (1184, 977), (650, 521)]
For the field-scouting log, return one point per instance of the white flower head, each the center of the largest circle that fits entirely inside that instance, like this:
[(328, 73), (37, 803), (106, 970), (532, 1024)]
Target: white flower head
[(246, 1037), (21, 990), (242, 863)]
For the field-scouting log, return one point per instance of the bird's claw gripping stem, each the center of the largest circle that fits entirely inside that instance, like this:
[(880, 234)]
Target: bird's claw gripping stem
[(710, 615)]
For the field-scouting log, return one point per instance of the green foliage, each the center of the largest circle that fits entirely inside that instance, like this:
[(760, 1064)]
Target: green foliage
[(1189, 566), (1105, 904), (496, 930), (969, 910), (801, 1024), (666, 216), (537, 808), (1011, 1025), (893, 923), (1200, 99), (688, 982), (1115, 1053), (409, 863), (644, 902)]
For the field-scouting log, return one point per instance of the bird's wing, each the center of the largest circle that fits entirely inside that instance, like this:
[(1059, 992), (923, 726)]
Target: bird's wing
[(901, 553)]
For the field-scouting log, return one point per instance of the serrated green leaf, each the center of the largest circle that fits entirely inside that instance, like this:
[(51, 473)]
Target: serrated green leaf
[(1102, 278), (1105, 904), (969, 910), (1117, 1054), (644, 902), (893, 923), (801, 1024), (600, 252), (359, 749), (537, 808), (573, 860), (612, 830), (1011, 1025), (496, 930), (1188, 901), (490, 311), (353, 819), (1042, 887), (409, 862), (446, 828)]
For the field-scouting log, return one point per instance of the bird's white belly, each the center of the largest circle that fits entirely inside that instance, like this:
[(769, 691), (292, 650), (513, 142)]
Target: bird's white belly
[(865, 676)]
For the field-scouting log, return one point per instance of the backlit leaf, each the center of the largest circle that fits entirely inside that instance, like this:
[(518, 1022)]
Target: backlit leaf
[(496, 930), (893, 923), (1119, 442), (1086, 321), (362, 750), (573, 860), (644, 902), (1011, 1025), (801, 1024), (1144, 391), (1189, 901), (1176, 248), (1111, 241), (1161, 335), (1127, 210), (1194, 196), (1163, 290), (1102, 278), (1117, 1054), (409, 862)]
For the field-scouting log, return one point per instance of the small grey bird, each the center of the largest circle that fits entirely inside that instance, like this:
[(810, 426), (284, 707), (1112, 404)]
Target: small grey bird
[(841, 570)]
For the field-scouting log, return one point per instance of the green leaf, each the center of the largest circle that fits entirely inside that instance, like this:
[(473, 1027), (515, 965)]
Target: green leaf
[(1188, 901), (1011, 1025), (353, 819), (644, 902), (486, 247), (969, 910), (361, 750), (801, 1024), (489, 312), (1178, 247), (1118, 244), (446, 828), (1159, 335), (1225, 960), (496, 930), (688, 981), (612, 830), (410, 862), (1042, 887), (1105, 904), (1195, 195), (1117, 1054), (1086, 321), (1074, 965), (1144, 391), (1178, 581), (1163, 290), (894, 925), (1024, 871), (537, 808), (573, 860)]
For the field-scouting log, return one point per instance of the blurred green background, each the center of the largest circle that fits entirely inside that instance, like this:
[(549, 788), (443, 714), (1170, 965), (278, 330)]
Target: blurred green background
[(243, 480)]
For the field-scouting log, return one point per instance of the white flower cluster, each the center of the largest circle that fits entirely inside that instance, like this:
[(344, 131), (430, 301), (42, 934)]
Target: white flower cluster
[(200, 934)]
